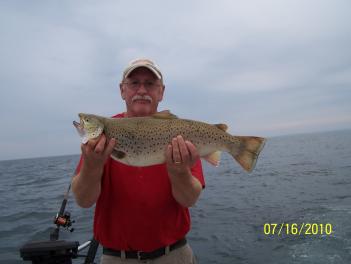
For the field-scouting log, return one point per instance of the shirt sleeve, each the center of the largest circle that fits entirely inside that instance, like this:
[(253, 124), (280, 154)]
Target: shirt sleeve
[(197, 172)]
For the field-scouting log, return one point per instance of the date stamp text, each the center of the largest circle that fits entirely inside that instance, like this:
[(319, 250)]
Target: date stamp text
[(297, 229)]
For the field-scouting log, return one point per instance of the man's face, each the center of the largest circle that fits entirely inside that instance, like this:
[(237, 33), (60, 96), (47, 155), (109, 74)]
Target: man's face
[(142, 92)]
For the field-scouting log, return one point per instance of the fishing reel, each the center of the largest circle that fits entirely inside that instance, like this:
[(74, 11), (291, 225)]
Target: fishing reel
[(64, 221)]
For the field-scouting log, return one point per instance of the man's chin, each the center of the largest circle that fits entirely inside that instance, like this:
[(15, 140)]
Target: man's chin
[(142, 109)]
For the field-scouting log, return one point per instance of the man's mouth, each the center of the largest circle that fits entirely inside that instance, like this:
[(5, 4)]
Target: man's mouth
[(142, 101)]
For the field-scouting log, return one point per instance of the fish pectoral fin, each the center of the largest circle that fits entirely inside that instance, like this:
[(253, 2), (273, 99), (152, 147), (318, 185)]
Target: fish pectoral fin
[(85, 140), (165, 114), (223, 127), (214, 158), (118, 154)]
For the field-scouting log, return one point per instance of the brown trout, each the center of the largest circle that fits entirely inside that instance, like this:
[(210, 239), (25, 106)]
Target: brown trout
[(142, 141)]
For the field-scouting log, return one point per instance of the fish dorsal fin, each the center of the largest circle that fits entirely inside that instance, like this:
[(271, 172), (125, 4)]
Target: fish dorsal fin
[(165, 114), (223, 127), (213, 158)]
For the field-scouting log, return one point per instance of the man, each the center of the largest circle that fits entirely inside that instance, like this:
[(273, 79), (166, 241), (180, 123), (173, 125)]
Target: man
[(141, 213)]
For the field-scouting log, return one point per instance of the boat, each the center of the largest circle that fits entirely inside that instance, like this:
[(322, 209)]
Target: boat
[(56, 251)]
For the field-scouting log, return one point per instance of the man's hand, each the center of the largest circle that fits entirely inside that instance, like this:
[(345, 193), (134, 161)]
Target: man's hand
[(180, 157), (96, 151)]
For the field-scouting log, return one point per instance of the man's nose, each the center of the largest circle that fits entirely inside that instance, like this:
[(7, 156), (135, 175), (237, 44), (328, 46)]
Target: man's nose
[(142, 88)]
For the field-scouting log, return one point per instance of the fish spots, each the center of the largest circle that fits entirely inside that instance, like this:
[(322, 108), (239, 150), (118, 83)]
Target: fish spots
[(145, 139)]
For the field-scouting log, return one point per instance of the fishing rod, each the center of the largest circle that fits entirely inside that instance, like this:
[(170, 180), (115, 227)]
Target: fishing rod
[(55, 251)]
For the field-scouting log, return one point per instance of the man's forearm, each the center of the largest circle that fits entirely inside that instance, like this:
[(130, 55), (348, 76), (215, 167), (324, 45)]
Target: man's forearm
[(186, 190), (86, 186)]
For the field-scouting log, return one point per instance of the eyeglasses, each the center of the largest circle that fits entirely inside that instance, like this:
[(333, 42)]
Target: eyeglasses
[(135, 85)]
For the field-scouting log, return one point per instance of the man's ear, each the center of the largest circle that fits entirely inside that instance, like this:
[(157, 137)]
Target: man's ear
[(122, 91), (161, 93)]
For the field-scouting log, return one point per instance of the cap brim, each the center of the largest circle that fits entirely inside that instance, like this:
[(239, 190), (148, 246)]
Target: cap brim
[(132, 68)]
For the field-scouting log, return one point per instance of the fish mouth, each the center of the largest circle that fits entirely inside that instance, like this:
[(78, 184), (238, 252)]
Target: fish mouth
[(77, 124), (80, 128)]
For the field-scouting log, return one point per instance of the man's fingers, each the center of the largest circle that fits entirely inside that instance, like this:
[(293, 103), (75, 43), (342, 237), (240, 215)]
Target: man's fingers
[(176, 154), (100, 146), (110, 146), (192, 149), (92, 142), (169, 154), (184, 153)]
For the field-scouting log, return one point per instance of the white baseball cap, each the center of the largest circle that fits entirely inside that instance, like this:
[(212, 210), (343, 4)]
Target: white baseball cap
[(149, 64)]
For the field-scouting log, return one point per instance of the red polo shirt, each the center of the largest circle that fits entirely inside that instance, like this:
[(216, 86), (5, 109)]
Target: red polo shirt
[(136, 209)]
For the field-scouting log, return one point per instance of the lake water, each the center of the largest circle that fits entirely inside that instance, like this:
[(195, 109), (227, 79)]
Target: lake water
[(299, 179)]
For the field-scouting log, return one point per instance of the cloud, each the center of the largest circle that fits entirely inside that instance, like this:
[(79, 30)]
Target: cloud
[(264, 67)]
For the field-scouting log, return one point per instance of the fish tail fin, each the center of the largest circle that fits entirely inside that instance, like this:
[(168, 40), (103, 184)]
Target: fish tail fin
[(247, 153)]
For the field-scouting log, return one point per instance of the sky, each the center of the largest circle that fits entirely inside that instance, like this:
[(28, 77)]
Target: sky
[(263, 67)]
